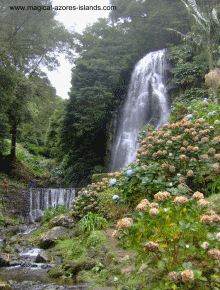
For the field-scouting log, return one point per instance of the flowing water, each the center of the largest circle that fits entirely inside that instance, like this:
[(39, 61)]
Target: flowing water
[(146, 103), (24, 273)]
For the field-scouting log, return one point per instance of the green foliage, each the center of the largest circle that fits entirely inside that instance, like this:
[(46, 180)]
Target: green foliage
[(110, 209), (91, 222), (173, 236), (188, 72), (95, 240), (52, 212), (38, 164)]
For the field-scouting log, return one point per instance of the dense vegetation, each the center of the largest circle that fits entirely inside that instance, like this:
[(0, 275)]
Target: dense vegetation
[(165, 205)]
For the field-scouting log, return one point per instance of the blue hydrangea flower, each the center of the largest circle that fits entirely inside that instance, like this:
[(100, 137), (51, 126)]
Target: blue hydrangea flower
[(213, 112), (115, 197), (129, 172), (190, 116), (165, 209), (205, 100), (112, 181)]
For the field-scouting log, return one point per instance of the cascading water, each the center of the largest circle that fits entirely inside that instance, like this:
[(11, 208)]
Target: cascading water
[(42, 198), (146, 103)]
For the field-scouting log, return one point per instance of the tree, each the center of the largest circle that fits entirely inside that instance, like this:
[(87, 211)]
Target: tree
[(146, 21), (28, 39), (205, 31)]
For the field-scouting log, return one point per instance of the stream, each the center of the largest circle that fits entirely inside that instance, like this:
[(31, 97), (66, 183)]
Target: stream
[(22, 270)]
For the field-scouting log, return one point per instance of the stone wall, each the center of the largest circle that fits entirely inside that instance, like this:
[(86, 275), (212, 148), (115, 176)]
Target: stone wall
[(15, 200)]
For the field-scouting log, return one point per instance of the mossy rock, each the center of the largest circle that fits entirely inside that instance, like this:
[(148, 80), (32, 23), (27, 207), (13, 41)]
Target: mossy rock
[(98, 177), (55, 272)]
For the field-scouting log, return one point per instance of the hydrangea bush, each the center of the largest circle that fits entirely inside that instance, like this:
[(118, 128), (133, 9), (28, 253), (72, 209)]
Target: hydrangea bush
[(177, 239), (185, 152), (87, 200)]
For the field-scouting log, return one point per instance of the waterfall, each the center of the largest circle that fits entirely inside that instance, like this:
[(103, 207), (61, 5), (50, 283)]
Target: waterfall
[(146, 103), (42, 198)]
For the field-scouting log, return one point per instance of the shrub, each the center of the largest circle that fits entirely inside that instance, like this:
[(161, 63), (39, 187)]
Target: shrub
[(87, 201), (108, 207), (176, 236), (183, 152)]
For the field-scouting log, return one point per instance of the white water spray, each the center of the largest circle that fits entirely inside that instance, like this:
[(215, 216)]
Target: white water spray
[(146, 103)]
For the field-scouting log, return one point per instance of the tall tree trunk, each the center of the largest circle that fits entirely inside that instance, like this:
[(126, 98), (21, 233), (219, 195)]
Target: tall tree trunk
[(13, 140)]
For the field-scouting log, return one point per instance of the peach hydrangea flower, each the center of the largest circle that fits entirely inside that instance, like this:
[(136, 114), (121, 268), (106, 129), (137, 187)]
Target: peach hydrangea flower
[(190, 173), (141, 206), (218, 236), (154, 205), (206, 219), (205, 245), (187, 276), (203, 202), (211, 150), (153, 211), (162, 195), (124, 223), (151, 246), (190, 148), (165, 166), (172, 168), (198, 195), (215, 218), (215, 166), (183, 157), (169, 142), (180, 199), (173, 276), (214, 253), (205, 139), (181, 179), (182, 149), (217, 156)]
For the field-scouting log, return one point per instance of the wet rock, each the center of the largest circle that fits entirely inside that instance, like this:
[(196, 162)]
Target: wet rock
[(43, 257), (37, 215), (49, 238), (9, 260), (63, 221), (12, 230), (4, 259), (17, 248)]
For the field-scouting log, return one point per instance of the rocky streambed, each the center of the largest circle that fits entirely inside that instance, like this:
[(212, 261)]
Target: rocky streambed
[(25, 266)]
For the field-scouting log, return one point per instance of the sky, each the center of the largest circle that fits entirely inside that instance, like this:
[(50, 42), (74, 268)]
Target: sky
[(78, 19)]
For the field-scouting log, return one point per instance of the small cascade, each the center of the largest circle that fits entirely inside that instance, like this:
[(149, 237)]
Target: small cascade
[(42, 198), (146, 103)]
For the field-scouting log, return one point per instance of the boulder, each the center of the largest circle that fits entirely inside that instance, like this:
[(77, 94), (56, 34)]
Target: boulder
[(43, 257), (37, 215), (49, 238), (63, 221), (8, 260)]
